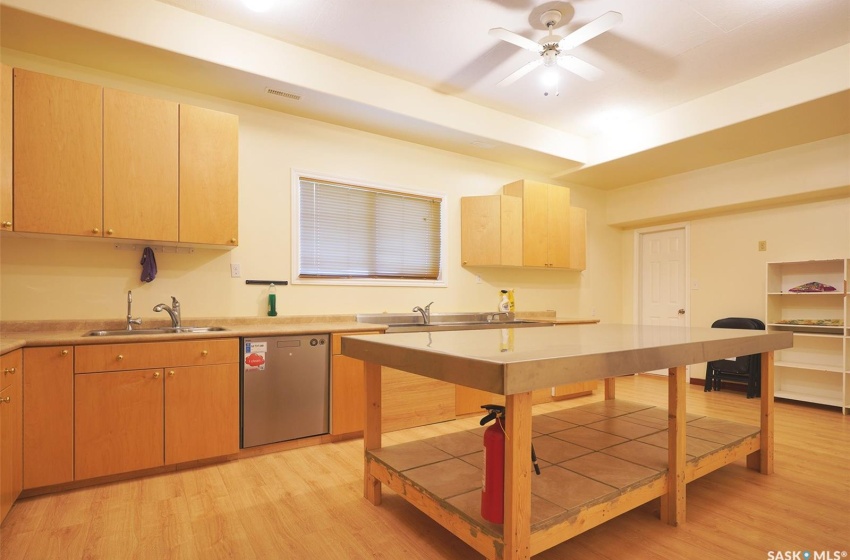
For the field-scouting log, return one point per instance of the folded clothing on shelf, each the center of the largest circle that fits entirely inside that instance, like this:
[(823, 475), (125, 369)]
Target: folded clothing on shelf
[(813, 287)]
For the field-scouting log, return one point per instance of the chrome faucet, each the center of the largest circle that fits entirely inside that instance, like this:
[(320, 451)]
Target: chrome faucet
[(173, 311), (130, 320), (492, 316), (426, 313)]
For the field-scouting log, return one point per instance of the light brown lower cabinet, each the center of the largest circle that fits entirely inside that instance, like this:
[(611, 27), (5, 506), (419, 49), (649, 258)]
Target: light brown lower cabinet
[(118, 423), (469, 400), (201, 412), (48, 416), (409, 400), (153, 415), (11, 366)]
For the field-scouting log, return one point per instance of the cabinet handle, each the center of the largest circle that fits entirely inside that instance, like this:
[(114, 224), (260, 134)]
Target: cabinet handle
[(5, 400), (204, 352), (120, 357), (95, 230), (109, 231), (9, 370), (156, 375), (233, 240), (7, 224), (63, 353), (171, 373)]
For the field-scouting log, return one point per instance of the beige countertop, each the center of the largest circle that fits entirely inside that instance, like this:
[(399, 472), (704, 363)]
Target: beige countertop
[(533, 358), (60, 333), (18, 334)]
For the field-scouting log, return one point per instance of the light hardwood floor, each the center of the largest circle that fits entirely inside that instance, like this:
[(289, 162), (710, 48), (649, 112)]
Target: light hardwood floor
[(307, 504)]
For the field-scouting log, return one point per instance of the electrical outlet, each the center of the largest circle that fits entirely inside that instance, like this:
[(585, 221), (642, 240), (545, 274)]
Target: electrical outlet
[(477, 279), (762, 245), (235, 270)]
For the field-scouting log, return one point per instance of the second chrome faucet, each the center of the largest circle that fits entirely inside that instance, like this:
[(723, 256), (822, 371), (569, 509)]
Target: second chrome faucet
[(173, 311), (426, 313)]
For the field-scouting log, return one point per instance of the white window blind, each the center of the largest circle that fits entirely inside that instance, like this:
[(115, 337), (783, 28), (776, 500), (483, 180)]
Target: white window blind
[(349, 231)]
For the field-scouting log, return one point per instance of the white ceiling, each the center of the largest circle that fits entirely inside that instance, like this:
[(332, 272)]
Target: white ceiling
[(666, 56), (665, 52)]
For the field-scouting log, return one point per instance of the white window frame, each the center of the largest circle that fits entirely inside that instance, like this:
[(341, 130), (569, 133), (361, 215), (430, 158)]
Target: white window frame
[(297, 175)]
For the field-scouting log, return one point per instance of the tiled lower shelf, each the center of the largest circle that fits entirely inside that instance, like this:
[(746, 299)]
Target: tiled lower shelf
[(597, 461)]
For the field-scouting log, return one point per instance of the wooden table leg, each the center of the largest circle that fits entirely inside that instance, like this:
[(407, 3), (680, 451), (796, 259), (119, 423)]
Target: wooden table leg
[(372, 430), (610, 388), (762, 460), (673, 503), (517, 527)]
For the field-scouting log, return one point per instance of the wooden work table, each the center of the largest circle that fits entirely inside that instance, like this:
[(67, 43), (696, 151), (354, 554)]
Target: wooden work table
[(545, 357)]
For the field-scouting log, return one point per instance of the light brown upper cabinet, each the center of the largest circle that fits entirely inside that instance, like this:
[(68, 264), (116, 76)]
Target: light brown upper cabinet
[(491, 230), (545, 223), (100, 162), (578, 238), (58, 150), (531, 224), (5, 147), (140, 158), (209, 160)]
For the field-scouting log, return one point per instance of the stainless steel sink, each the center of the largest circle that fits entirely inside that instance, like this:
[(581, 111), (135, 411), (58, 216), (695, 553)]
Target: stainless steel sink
[(459, 326), (412, 322), (161, 330)]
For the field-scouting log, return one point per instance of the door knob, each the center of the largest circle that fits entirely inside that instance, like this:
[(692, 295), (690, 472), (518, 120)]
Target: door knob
[(156, 375), (681, 312), (171, 373)]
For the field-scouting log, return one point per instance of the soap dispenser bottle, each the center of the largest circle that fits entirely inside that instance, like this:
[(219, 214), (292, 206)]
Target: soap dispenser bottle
[(504, 304)]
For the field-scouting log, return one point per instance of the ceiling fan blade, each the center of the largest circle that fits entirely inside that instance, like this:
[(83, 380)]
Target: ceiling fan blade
[(513, 38), (579, 67), (596, 27), (521, 72)]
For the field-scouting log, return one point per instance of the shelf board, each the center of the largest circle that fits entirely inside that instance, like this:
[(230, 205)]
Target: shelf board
[(835, 293), (814, 367), (816, 335), (807, 397)]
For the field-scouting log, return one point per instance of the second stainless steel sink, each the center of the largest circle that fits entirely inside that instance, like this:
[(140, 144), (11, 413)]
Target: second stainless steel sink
[(412, 322), (161, 330)]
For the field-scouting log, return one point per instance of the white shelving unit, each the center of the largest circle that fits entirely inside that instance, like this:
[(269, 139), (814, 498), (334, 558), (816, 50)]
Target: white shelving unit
[(817, 368)]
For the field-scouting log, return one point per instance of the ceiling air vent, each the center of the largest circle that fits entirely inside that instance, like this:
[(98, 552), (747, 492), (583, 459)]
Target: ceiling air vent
[(279, 93)]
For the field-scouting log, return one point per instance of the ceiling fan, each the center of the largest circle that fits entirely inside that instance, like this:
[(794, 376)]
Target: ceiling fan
[(551, 48)]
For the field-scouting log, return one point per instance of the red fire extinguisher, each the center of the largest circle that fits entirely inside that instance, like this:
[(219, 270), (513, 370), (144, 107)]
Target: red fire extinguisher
[(493, 477)]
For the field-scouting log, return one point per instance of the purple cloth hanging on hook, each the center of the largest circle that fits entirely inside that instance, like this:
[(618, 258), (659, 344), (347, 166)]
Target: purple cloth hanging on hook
[(148, 263)]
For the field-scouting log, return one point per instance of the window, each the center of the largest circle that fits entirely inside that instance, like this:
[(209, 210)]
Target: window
[(364, 234)]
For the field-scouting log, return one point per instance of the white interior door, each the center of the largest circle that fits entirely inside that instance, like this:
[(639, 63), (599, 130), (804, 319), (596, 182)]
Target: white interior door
[(662, 278)]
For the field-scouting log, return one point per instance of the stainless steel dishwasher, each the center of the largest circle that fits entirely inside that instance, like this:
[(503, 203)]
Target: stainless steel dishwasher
[(285, 388)]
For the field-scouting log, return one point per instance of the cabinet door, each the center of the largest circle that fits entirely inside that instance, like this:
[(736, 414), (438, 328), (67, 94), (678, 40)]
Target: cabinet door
[(491, 230), (139, 166), (578, 238), (558, 226), (5, 147), (48, 416), (118, 424), (535, 224), (348, 395), (413, 400), (209, 148), (574, 390), (58, 155), (201, 412), (10, 433)]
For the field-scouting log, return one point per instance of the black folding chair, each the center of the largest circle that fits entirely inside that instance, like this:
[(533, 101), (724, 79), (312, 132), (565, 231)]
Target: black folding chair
[(743, 369)]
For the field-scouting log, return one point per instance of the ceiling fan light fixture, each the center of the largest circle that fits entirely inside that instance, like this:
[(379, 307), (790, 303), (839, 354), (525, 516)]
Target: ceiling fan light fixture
[(259, 5)]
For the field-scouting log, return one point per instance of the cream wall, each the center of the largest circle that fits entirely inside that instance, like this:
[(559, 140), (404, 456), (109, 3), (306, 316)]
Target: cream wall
[(84, 279), (725, 262)]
